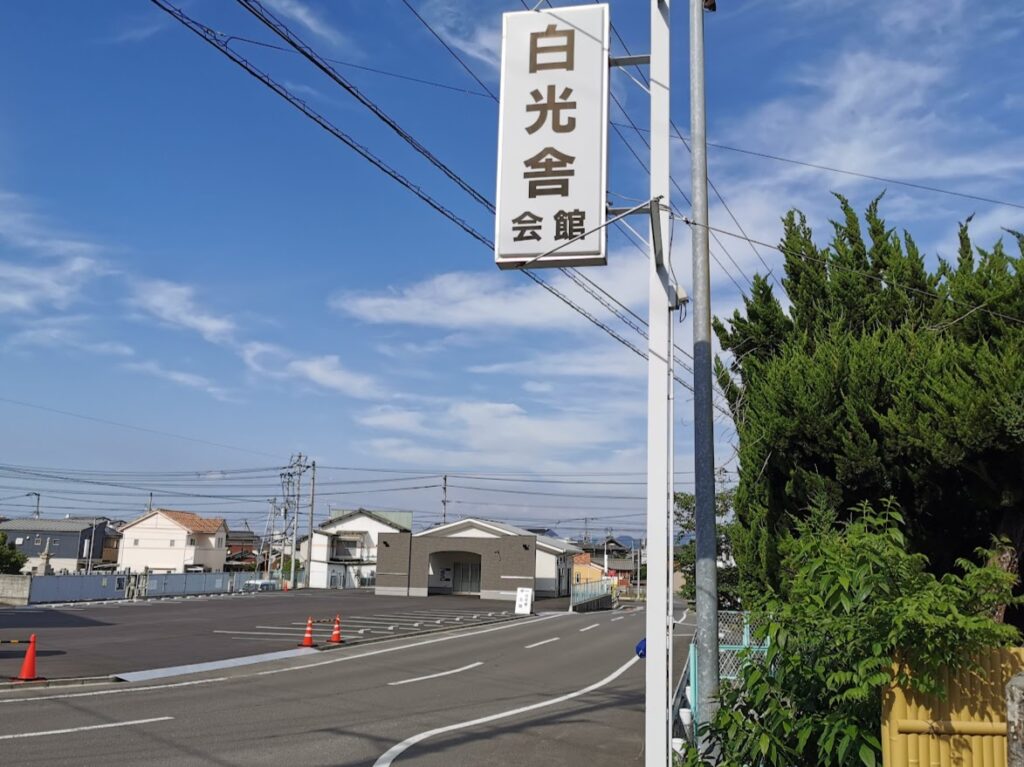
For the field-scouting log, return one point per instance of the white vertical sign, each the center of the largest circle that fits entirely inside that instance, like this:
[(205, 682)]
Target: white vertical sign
[(524, 600), (553, 137)]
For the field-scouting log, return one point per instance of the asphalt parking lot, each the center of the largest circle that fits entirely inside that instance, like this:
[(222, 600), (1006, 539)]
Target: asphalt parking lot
[(114, 637)]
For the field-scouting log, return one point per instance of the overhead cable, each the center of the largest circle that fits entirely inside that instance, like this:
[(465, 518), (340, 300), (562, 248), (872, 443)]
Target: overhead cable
[(869, 275), (217, 40), (281, 30)]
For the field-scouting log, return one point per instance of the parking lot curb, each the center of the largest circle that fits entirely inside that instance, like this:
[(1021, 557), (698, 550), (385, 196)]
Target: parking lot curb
[(69, 681)]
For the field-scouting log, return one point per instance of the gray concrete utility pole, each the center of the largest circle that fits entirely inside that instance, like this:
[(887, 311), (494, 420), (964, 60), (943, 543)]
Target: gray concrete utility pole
[(309, 541), (663, 300), (1015, 721), (703, 417)]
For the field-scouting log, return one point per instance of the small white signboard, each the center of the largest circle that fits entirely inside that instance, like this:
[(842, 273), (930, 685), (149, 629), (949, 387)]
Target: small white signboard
[(524, 600), (553, 137)]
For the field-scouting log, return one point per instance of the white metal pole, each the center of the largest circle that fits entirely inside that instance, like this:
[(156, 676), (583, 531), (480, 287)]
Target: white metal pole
[(659, 432), (706, 573)]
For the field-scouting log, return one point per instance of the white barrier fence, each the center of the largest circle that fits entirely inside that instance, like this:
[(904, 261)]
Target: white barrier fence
[(89, 588)]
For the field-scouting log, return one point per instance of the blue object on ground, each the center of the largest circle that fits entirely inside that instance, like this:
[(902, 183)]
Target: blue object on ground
[(641, 648)]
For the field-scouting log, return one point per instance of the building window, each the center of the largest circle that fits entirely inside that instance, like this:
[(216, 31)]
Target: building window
[(55, 542), (38, 541), (172, 542), (135, 542), (18, 541), (191, 541)]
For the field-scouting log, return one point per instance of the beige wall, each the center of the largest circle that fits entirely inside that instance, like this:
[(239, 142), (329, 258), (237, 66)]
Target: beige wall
[(163, 546)]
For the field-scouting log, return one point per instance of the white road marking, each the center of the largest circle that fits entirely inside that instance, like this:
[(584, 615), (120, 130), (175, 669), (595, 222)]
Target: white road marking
[(435, 676), (591, 626), (83, 729), (115, 691), (447, 638), (259, 633), (617, 619), (302, 667), (397, 750), (538, 644)]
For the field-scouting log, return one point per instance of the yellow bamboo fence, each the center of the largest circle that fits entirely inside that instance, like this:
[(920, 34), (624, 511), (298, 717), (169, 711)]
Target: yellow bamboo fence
[(967, 729)]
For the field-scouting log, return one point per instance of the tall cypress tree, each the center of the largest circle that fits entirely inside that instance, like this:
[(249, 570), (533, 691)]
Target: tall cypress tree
[(879, 379)]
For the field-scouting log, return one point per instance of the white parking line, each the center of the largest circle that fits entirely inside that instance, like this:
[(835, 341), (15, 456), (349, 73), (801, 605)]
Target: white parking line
[(435, 676), (290, 669), (591, 626), (617, 619), (83, 729), (389, 756), (538, 644)]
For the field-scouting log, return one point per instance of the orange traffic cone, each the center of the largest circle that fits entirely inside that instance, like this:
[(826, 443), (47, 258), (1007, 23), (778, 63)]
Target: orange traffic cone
[(28, 666), (336, 634), (307, 640)]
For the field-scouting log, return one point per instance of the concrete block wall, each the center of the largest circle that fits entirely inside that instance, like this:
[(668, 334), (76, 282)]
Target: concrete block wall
[(14, 590)]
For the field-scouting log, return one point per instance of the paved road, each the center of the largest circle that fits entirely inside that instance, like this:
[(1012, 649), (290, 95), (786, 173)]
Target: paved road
[(557, 689), (110, 638)]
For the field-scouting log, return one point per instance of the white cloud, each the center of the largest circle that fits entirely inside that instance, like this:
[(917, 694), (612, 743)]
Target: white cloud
[(397, 419), (537, 387), (66, 331), (605, 361), (22, 228), (462, 26), (493, 302), (504, 434), (189, 380), (310, 19), (175, 304), (327, 372), (137, 33), (263, 358), (29, 288)]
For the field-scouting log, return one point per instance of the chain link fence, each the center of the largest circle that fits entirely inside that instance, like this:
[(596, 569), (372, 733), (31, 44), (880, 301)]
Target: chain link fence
[(738, 637), (736, 634)]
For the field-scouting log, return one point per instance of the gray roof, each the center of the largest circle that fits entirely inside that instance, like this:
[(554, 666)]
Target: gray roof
[(46, 525), (542, 540), (366, 513)]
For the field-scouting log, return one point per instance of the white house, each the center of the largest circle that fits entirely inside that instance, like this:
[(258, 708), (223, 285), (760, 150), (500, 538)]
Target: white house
[(344, 551), (168, 541)]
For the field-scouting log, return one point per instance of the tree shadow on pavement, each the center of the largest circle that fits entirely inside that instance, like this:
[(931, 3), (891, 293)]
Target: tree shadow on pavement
[(44, 619)]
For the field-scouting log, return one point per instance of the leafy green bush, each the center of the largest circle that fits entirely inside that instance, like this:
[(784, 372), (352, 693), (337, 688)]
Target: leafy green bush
[(853, 606), (11, 560)]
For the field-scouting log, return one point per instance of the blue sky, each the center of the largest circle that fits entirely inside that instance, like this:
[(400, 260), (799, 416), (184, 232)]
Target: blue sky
[(181, 250)]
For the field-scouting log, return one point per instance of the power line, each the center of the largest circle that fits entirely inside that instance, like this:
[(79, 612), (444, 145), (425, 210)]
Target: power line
[(677, 137), (679, 189), (559, 495), (216, 39), (711, 183), (282, 31), (448, 48), (878, 278), (849, 172), (374, 70), (196, 440)]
